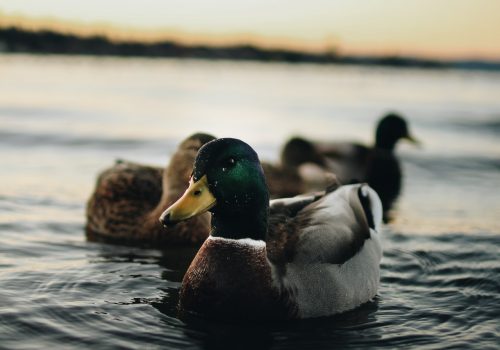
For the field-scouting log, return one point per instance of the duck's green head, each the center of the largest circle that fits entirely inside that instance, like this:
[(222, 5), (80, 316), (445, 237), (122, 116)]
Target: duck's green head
[(228, 181), (390, 130)]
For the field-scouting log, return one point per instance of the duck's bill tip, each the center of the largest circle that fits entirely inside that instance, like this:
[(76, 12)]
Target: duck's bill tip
[(166, 221), (195, 201), (412, 139)]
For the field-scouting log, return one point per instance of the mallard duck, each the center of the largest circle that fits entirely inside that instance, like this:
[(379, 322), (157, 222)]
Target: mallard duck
[(301, 257), (129, 198), (377, 165), (301, 170)]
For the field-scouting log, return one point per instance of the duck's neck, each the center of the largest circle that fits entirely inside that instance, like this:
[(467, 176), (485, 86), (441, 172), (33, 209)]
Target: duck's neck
[(175, 179), (387, 144), (240, 225), (171, 191)]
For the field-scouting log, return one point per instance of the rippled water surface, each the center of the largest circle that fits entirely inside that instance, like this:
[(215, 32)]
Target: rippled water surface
[(62, 120)]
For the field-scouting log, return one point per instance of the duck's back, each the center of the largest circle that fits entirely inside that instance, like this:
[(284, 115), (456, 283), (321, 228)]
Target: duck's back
[(329, 256), (281, 182), (348, 161), (124, 195)]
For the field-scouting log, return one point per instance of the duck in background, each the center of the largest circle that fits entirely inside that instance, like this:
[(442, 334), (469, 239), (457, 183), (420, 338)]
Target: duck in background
[(301, 170), (129, 198), (376, 165), (308, 256)]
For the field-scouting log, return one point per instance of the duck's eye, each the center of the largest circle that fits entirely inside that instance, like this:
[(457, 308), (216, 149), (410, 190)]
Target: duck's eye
[(228, 164)]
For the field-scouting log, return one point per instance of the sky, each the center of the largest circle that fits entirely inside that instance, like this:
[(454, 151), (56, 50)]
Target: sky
[(427, 28)]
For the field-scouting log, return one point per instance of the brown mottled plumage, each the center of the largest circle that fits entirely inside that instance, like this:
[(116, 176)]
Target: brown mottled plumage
[(129, 199)]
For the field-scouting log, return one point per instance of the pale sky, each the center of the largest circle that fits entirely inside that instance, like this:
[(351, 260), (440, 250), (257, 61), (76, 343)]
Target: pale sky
[(435, 28)]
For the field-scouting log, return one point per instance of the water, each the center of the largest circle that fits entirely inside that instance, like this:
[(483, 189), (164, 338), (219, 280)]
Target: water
[(62, 120)]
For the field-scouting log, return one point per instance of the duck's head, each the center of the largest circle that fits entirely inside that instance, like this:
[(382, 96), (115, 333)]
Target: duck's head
[(196, 140), (298, 151), (390, 130), (181, 165), (228, 181)]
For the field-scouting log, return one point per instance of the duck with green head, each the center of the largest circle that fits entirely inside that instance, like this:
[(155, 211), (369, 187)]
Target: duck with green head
[(307, 256), (377, 165)]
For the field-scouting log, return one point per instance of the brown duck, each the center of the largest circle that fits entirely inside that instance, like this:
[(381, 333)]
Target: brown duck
[(129, 198)]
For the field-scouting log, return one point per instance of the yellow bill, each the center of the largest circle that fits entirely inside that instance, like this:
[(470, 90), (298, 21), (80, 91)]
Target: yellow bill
[(413, 140), (196, 200)]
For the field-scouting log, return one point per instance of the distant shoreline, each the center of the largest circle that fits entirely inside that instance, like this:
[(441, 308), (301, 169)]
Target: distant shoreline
[(16, 40)]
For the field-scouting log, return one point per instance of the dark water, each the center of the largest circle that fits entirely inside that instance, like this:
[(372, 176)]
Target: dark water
[(62, 120), (436, 292)]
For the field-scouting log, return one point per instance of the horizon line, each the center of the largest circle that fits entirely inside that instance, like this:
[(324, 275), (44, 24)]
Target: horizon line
[(122, 34)]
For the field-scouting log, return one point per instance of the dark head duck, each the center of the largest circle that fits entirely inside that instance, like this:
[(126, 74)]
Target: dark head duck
[(229, 180), (307, 256), (376, 165), (390, 130)]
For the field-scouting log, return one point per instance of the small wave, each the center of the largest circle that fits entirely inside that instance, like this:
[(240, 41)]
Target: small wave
[(35, 112), (472, 283), (440, 163), (489, 125), (25, 139), (434, 289), (39, 201)]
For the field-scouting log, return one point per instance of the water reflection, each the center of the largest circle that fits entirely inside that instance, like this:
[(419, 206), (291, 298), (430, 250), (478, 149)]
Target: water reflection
[(439, 283), (298, 334), (433, 291)]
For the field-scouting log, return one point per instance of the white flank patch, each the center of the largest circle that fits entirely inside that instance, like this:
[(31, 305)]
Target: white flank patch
[(322, 289)]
